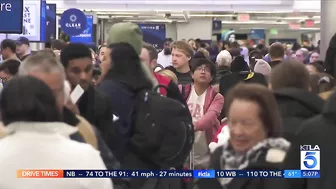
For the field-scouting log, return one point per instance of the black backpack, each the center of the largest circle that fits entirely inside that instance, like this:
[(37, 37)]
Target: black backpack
[(163, 132)]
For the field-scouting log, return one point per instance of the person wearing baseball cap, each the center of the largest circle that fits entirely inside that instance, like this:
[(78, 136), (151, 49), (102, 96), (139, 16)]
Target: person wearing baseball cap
[(22, 48)]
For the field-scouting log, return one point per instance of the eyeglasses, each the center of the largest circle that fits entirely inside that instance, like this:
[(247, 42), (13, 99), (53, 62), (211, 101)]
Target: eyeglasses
[(204, 69)]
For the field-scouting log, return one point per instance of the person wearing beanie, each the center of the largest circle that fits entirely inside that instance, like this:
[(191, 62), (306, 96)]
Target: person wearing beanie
[(263, 67), (126, 32), (240, 73), (239, 65), (130, 33)]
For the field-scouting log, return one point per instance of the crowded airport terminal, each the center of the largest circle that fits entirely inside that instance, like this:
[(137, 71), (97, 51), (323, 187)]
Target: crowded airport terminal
[(177, 94)]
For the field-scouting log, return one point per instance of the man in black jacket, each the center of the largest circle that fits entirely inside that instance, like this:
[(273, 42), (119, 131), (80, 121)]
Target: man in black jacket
[(290, 83), (319, 130), (93, 105)]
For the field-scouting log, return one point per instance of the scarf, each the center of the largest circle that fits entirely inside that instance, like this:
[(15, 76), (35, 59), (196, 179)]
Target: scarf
[(231, 161)]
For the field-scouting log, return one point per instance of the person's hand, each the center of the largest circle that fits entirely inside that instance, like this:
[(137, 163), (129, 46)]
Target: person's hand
[(72, 107), (57, 52)]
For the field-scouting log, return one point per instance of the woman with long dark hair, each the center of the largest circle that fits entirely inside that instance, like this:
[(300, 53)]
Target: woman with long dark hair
[(127, 68), (125, 76)]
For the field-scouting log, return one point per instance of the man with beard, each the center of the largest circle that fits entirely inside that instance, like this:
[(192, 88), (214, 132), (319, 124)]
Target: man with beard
[(165, 57)]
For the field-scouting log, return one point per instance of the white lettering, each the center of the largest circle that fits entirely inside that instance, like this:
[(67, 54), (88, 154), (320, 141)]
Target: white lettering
[(73, 25), (6, 7)]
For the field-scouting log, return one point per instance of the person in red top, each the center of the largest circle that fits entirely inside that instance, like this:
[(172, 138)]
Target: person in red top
[(149, 56)]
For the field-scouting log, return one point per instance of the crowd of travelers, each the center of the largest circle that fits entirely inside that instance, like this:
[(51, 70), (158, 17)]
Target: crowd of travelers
[(193, 105)]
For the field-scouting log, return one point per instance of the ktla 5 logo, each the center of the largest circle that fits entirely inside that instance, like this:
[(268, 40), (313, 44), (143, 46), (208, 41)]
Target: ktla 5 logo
[(310, 157)]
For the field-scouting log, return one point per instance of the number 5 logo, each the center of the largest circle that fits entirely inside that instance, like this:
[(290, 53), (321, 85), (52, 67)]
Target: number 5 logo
[(310, 156)]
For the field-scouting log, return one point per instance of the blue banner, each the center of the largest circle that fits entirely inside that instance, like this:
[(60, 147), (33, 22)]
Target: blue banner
[(50, 22), (86, 36), (11, 13), (43, 20), (73, 22), (154, 34), (199, 174), (257, 34)]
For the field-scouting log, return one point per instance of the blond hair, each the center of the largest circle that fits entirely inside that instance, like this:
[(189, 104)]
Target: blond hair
[(204, 52), (183, 47), (169, 74)]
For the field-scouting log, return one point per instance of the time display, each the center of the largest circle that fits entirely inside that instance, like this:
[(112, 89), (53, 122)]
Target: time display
[(310, 174)]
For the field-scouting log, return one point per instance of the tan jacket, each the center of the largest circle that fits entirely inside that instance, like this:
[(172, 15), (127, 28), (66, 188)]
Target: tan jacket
[(87, 132), (84, 127), (325, 95), (2, 130)]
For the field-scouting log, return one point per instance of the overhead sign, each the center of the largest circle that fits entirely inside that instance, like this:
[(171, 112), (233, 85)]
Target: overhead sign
[(257, 34), (11, 12), (243, 17), (86, 36), (154, 34), (32, 21), (294, 26), (274, 31), (43, 21), (309, 23), (73, 22), (216, 25), (50, 22)]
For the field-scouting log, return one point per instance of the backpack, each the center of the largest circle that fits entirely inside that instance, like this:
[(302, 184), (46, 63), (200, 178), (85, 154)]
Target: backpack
[(163, 132)]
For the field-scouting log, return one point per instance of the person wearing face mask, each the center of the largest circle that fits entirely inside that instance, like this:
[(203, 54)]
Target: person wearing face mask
[(165, 57)]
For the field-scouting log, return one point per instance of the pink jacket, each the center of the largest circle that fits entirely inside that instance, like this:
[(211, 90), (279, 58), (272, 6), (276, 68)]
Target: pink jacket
[(212, 108)]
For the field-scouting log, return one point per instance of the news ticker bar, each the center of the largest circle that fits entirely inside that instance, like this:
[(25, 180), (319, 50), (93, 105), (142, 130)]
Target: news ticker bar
[(168, 174)]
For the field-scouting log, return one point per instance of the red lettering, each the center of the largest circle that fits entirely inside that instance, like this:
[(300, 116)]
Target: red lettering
[(197, 112)]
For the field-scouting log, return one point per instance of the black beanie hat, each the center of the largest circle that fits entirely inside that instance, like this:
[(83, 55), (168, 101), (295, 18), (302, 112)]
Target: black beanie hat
[(239, 64)]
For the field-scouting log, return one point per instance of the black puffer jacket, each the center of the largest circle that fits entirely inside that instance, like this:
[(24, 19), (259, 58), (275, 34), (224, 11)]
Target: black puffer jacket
[(319, 130), (221, 71), (296, 106)]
